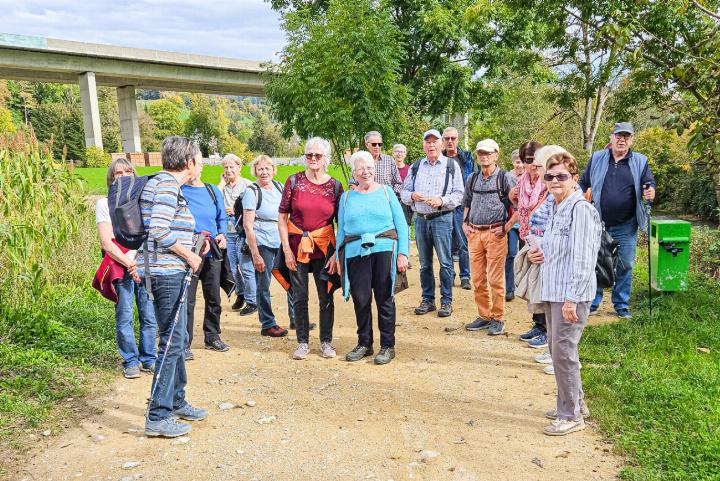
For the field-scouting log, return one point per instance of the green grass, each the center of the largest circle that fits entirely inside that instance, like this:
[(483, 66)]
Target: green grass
[(96, 181), (652, 387)]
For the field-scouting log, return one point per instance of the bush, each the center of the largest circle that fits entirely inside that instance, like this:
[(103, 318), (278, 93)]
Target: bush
[(695, 193), (669, 160), (96, 157), (705, 251)]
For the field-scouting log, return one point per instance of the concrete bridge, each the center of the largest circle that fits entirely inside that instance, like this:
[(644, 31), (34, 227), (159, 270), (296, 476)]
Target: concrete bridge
[(41, 59)]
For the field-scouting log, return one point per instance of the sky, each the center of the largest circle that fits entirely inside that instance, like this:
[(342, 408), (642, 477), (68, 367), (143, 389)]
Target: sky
[(244, 29)]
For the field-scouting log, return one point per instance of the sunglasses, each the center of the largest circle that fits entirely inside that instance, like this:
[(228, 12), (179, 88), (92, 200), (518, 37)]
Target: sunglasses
[(559, 177), (528, 160), (448, 139), (314, 156), (376, 144)]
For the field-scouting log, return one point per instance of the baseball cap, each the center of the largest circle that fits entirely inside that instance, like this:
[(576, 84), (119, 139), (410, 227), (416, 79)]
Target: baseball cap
[(432, 132), (487, 145), (623, 127)]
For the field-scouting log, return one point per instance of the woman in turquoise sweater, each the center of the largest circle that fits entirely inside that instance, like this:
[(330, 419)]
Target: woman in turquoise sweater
[(373, 245)]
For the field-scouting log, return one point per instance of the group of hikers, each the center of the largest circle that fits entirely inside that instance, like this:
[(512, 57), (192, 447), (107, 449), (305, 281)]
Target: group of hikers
[(533, 232)]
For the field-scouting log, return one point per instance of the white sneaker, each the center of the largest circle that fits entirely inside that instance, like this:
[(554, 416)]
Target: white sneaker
[(301, 351), (561, 427), (326, 350), (550, 369), (544, 358)]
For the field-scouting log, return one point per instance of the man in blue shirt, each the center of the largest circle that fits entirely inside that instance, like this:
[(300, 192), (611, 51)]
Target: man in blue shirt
[(619, 179)]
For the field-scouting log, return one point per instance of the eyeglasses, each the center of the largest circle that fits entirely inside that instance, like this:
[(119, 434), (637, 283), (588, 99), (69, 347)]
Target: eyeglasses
[(560, 177), (448, 139), (314, 156), (528, 160), (376, 144)]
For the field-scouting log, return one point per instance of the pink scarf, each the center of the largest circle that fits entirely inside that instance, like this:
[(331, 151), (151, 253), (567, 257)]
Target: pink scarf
[(529, 197)]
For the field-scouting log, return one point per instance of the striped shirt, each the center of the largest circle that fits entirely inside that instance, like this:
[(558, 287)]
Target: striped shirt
[(570, 244), (483, 200), (430, 182), (167, 220), (386, 173)]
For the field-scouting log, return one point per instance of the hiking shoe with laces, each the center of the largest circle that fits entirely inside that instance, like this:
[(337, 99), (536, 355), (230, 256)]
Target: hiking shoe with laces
[(445, 310), (275, 331), (131, 372), (465, 284), (189, 356), (190, 413), (584, 412), (544, 358), (561, 427), (477, 324), (358, 353), (167, 428), (148, 368), (301, 351), (216, 345), (539, 342), (326, 350), (624, 313), (496, 328), (238, 304), (385, 355), (424, 307), (248, 309), (532, 333)]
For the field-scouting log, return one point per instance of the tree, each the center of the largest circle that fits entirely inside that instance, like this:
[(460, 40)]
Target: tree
[(165, 114), (339, 75), (266, 137), (202, 126)]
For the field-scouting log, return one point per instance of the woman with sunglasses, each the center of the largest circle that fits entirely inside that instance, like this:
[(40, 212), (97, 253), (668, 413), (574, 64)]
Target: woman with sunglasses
[(567, 256), (528, 195), (308, 208)]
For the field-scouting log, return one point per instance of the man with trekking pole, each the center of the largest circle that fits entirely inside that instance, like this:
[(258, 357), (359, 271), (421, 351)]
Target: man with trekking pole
[(169, 262)]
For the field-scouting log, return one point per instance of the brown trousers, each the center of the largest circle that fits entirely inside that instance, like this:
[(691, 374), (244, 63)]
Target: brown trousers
[(487, 269)]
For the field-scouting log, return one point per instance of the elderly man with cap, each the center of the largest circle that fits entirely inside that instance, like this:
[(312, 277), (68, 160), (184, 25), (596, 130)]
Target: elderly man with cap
[(434, 188), (386, 170), (486, 225), (619, 179), (464, 161)]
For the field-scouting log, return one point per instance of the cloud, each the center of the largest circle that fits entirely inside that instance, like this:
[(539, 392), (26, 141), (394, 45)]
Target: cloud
[(247, 29)]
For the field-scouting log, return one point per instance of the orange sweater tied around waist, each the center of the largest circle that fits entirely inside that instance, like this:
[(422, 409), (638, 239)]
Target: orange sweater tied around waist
[(322, 238)]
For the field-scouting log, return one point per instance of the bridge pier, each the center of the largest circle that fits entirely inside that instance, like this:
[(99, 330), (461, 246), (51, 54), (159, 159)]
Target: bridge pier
[(129, 125), (91, 111)]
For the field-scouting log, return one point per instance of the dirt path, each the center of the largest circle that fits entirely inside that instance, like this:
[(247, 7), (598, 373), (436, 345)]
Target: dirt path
[(451, 406)]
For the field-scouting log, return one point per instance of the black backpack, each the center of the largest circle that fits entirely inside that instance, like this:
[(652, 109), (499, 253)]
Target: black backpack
[(449, 174), (238, 207), (124, 207), (502, 189), (608, 256)]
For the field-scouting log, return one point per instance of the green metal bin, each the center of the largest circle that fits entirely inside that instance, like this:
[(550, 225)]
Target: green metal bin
[(669, 254)]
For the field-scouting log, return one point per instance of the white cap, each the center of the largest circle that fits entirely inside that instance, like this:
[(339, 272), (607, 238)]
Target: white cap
[(544, 153), (432, 132), (487, 145)]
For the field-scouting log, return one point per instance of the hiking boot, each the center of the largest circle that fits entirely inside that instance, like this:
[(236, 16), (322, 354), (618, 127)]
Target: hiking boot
[(539, 342), (496, 328), (544, 358), (190, 413), (385, 355), (248, 309), (275, 331), (424, 307), (167, 428), (509, 296), (624, 313), (477, 324), (358, 353), (148, 368), (561, 427), (584, 412), (465, 284), (532, 333), (301, 351), (189, 356), (445, 310), (326, 350), (238, 304), (216, 345), (131, 372), (593, 310)]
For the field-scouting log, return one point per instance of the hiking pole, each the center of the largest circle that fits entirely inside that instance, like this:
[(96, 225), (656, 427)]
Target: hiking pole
[(180, 305), (648, 208)]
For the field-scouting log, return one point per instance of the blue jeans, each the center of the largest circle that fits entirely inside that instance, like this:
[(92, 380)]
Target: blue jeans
[(626, 237), (172, 378), (263, 280), (513, 244), (435, 234), (233, 253), (127, 291), (460, 243), (247, 269)]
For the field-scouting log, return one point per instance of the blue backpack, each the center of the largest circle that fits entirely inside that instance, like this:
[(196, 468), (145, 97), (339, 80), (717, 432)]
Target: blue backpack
[(124, 207)]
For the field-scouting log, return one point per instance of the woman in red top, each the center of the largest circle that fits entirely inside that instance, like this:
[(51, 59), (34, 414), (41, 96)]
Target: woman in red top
[(308, 209)]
